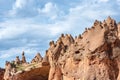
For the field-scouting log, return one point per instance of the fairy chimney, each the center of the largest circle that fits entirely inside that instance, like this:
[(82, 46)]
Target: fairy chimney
[(17, 61), (23, 58), (8, 68), (37, 58)]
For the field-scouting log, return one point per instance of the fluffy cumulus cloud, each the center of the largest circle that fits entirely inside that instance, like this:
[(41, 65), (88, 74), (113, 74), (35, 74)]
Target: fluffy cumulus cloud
[(93, 11), (29, 25), (49, 10), (19, 4)]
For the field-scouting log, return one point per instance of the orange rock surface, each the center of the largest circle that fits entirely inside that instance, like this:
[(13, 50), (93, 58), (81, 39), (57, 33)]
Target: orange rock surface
[(93, 55)]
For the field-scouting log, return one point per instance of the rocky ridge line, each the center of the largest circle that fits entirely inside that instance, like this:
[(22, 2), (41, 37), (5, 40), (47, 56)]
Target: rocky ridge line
[(93, 55)]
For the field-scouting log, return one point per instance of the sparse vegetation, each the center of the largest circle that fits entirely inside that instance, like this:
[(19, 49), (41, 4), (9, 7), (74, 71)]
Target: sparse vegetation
[(23, 67)]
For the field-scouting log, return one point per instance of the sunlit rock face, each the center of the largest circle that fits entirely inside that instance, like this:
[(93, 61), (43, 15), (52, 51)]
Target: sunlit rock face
[(38, 69), (93, 55)]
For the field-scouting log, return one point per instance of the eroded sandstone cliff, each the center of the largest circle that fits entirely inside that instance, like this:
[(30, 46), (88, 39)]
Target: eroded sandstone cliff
[(38, 69), (93, 55)]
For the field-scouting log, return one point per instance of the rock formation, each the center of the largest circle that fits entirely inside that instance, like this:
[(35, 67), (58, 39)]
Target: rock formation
[(17, 61), (37, 58), (40, 73), (93, 55), (8, 71), (45, 60), (1, 73), (16, 70), (23, 58)]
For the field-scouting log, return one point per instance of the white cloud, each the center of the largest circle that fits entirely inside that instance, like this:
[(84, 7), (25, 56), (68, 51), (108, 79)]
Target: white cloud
[(95, 11), (48, 7), (4, 56), (91, 13), (12, 52), (11, 32), (103, 0), (49, 10), (60, 27), (8, 53), (83, 15), (79, 15), (19, 4), (13, 28)]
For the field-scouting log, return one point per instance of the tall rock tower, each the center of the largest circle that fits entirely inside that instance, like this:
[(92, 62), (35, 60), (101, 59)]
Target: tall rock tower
[(23, 58)]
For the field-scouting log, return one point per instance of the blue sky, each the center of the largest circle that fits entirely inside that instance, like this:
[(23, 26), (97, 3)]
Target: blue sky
[(29, 25)]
